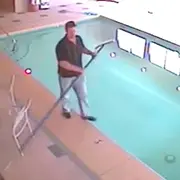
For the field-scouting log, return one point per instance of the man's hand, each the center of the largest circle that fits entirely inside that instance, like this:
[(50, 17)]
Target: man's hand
[(77, 69), (80, 70), (93, 54)]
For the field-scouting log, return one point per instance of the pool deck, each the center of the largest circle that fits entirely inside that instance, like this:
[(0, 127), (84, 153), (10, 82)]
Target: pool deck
[(105, 160)]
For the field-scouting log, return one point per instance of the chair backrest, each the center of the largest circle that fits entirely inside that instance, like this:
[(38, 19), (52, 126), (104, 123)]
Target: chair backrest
[(11, 94), (21, 120)]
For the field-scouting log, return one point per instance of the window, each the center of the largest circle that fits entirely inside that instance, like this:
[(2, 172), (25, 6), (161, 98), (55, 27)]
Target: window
[(172, 62), (165, 58), (123, 40), (130, 43), (157, 54)]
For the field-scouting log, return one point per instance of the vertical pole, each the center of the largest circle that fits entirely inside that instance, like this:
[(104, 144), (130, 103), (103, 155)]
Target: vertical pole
[(146, 50)]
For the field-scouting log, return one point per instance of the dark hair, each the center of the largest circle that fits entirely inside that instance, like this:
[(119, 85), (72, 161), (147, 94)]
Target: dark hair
[(70, 24)]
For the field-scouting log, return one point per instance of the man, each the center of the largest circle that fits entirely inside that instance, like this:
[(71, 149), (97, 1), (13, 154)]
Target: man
[(69, 52)]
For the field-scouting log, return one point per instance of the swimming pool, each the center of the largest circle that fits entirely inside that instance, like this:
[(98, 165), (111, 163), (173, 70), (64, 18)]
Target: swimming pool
[(139, 111)]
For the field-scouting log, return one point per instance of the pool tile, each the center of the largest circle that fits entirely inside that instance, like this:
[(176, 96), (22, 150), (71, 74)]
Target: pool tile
[(102, 156), (71, 132), (130, 170), (39, 163), (32, 21), (43, 15), (81, 138), (16, 20), (63, 11), (63, 5)]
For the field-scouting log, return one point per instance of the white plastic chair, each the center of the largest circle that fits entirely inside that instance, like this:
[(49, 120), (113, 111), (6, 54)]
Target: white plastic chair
[(12, 97), (21, 119), (21, 122)]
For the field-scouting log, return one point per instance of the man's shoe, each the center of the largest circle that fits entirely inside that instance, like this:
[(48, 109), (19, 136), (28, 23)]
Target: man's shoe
[(89, 118)]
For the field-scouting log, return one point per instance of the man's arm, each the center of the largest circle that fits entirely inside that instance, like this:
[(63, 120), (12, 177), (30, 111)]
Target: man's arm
[(88, 52), (84, 49), (62, 58)]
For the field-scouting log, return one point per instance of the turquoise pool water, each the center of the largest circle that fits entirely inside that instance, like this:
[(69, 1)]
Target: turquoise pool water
[(139, 111)]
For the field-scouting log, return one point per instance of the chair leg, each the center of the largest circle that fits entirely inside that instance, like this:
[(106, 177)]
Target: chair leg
[(29, 124), (18, 145)]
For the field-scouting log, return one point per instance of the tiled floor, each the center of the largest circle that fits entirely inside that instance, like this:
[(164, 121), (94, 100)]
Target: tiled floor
[(77, 138), (40, 161), (13, 23)]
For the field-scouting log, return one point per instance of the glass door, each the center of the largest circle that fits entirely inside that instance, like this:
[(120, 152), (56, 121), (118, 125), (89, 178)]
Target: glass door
[(172, 62), (157, 54), (131, 43)]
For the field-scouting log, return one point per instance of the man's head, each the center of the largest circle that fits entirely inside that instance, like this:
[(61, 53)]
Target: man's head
[(70, 29)]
